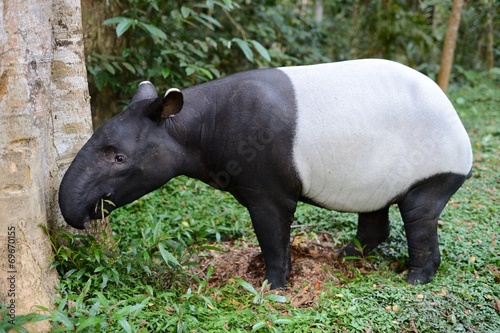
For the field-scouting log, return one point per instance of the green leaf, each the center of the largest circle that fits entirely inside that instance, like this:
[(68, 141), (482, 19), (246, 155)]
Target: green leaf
[(259, 325), (167, 256), (68, 273), (210, 4), (128, 310), (105, 279), (123, 26), (205, 72), (261, 49), (115, 20), (102, 299), (154, 31), (247, 51), (62, 318), (92, 321), (165, 72), (276, 298), (80, 273), (212, 20), (185, 11), (125, 324), (109, 68), (129, 67), (247, 286)]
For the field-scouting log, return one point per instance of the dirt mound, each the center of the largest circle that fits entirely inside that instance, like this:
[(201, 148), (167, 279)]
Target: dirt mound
[(313, 262)]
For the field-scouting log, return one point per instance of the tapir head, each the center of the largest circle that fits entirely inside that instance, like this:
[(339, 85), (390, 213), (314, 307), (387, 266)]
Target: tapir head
[(121, 161)]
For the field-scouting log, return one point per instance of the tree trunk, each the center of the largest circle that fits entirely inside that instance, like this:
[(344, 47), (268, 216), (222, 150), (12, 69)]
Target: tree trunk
[(318, 11), (44, 120), (450, 41), (354, 47), (490, 51)]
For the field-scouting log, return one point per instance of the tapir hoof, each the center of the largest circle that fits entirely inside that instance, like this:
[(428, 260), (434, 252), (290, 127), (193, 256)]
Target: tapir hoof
[(416, 277), (277, 283), (423, 275)]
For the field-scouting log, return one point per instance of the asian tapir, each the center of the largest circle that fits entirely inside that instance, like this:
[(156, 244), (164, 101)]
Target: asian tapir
[(353, 136)]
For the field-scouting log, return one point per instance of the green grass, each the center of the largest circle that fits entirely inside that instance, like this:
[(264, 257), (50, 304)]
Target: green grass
[(139, 283)]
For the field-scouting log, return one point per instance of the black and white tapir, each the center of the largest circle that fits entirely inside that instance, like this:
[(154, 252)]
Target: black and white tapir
[(353, 136)]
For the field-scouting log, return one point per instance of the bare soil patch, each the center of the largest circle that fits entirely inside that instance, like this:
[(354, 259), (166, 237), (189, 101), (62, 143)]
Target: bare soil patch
[(314, 262)]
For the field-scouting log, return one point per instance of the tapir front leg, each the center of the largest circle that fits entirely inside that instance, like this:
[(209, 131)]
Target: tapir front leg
[(271, 218)]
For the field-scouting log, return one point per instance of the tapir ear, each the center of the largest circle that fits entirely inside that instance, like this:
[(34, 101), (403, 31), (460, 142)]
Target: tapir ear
[(146, 90), (167, 106), (172, 103)]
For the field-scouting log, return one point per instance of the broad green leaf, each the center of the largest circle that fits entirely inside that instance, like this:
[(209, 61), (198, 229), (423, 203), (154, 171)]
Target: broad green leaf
[(261, 49), (63, 318), (102, 299), (92, 321), (259, 325), (185, 11), (109, 68), (276, 298), (247, 286), (123, 26), (205, 72), (68, 273), (105, 279), (115, 20), (153, 31), (128, 310), (165, 72), (245, 48), (125, 324), (167, 256), (211, 20), (129, 67)]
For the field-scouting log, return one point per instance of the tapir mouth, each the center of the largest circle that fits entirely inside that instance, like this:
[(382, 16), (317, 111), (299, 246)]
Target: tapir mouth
[(103, 207)]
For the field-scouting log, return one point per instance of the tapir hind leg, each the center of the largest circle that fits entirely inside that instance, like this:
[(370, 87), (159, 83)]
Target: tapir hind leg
[(420, 209), (373, 229)]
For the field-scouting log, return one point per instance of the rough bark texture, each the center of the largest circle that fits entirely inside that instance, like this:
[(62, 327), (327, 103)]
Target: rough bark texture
[(44, 120), (450, 41), (71, 121)]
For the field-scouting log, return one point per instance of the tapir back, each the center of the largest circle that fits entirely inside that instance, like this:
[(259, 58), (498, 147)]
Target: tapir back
[(367, 130)]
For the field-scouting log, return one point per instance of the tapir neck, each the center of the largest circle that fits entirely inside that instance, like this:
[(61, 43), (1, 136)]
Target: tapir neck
[(193, 128)]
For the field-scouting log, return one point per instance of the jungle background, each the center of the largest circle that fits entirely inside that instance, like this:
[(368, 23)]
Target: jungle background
[(182, 43)]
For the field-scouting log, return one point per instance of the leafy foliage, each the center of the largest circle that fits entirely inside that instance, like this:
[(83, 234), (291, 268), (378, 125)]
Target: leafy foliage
[(174, 44)]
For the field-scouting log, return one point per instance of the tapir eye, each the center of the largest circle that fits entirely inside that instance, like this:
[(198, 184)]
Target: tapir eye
[(119, 158)]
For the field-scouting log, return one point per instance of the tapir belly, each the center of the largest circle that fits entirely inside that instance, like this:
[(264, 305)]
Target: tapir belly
[(368, 130)]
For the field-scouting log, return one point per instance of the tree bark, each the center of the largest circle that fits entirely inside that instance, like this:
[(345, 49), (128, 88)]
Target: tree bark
[(490, 51), (44, 120), (354, 47), (450, 41), (318, 11)]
